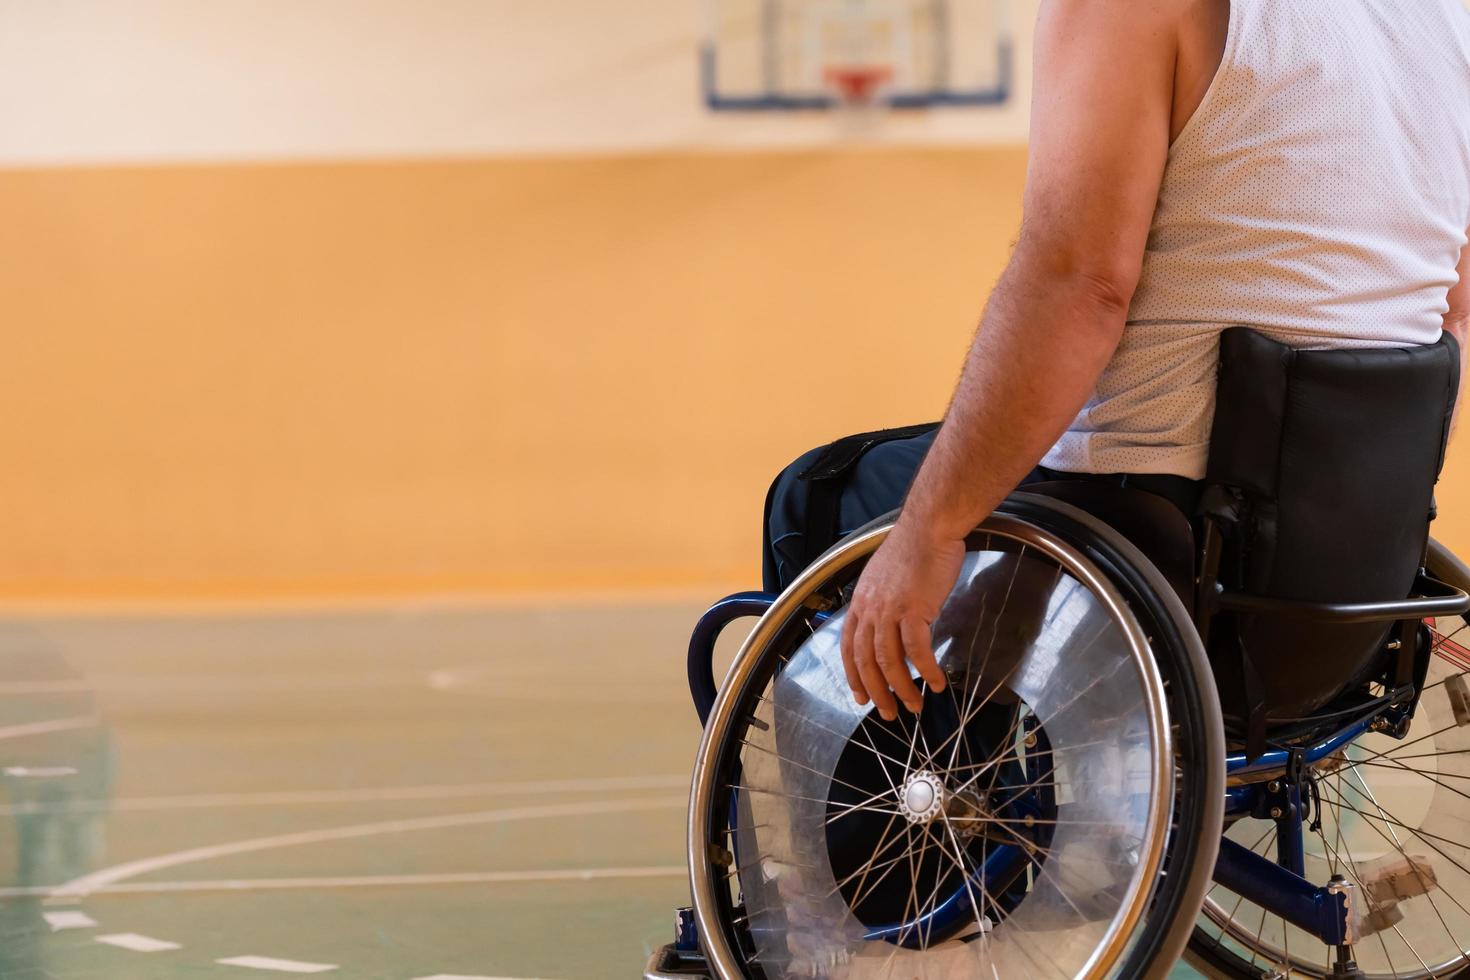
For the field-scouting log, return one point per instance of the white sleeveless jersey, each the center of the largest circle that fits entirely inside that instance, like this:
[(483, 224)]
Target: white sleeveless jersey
[(1320, 194)]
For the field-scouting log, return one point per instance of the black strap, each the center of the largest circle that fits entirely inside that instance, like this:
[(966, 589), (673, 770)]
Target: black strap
[(828, 475), (1226, 509), (1405, 663)]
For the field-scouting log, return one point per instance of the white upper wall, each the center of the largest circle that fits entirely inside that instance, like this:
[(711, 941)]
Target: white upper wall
[(97, 81)]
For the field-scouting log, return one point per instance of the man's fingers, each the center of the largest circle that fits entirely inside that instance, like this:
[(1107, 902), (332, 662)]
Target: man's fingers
[(918, 644), (850, 626), (888, 648), (867, 665)]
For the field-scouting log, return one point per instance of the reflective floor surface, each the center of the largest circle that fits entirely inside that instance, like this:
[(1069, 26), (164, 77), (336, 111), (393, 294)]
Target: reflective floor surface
[(429, 792), (394, 794)]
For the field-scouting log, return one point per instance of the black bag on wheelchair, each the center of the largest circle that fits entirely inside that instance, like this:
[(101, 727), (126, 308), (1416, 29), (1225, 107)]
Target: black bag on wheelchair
[(1319, 490)]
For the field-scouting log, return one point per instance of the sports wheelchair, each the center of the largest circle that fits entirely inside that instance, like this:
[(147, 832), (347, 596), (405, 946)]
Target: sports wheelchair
[(1240, 736)]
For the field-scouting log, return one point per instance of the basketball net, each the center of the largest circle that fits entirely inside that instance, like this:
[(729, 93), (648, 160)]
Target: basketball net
[(858, 89)]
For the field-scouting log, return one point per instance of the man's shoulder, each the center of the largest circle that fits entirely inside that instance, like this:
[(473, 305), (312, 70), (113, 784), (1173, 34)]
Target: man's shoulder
[(1147, 22)]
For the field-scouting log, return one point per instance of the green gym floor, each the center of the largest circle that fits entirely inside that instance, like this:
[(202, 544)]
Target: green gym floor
[(427, 792)]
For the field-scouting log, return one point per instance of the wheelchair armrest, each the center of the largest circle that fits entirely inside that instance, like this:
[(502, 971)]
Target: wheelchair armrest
[(1430, 597), (701, 665)]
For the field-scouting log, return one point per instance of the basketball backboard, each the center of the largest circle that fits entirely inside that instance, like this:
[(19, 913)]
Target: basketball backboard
[(819, 54)]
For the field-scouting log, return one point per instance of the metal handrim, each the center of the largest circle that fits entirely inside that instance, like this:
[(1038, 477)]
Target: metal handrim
[(1118, 937)]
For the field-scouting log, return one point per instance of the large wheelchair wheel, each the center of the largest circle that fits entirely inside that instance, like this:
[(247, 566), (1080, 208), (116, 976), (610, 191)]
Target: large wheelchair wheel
[(1053, 812), (1394, 820)]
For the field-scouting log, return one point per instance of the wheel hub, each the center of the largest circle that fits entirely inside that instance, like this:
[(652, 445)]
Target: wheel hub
[(922, 797)]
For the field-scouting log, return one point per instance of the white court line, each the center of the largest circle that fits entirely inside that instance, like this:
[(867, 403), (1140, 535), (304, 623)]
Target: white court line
[(386, 793), (85, 885), (461, 976), (39, 772), (46, 727), (281, 966), (362, 881), (68, 919), (137, 943)]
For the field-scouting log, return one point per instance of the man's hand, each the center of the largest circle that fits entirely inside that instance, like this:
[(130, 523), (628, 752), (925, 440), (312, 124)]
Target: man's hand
[(898, 598)]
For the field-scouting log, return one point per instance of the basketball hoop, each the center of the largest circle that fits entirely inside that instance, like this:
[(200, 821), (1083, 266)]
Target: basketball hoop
[(856, 58), (856, 85)]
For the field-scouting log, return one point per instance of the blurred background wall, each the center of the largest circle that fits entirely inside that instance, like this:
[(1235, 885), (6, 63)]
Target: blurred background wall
[(342, 297)]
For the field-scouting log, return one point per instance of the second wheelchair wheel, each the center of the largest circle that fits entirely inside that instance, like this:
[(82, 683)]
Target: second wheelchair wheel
[(1047, 814), (1395, 822)]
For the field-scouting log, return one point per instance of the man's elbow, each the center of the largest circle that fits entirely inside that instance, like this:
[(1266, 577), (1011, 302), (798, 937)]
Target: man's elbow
[(1109, 293), (1457, 322), (1102, 288), (1092, 300), (1457, 325)]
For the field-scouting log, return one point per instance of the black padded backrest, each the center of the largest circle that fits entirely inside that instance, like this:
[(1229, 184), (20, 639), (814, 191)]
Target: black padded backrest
[(1331, 457)]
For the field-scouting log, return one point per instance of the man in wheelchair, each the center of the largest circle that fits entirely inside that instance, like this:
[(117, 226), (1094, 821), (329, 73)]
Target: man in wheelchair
[(1145, 651)]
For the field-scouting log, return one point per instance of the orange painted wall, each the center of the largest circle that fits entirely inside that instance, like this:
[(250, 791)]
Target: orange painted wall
[(310, 380), (318, 379)]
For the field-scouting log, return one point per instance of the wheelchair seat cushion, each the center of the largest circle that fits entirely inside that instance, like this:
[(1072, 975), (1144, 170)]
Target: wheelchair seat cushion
[(1321, 473), (1151, 523)]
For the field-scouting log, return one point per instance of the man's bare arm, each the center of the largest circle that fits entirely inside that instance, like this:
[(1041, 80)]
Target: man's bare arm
[(1105, 78), (1099, 141)]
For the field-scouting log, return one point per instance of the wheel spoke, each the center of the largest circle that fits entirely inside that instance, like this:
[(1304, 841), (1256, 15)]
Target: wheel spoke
[(862, 806), (801, 765), (1392, 841), (1428, 891), (968, 715), (779, 793), (1415, 741), (1368, 818), (1423, 835), (869, 866), (1014, 935), (1372, 905), (861, 896), (1256, 950), (976, 907), (862, 727)]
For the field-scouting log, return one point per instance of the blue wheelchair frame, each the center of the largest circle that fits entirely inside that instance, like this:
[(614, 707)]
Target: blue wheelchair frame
[(1279, 886)]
